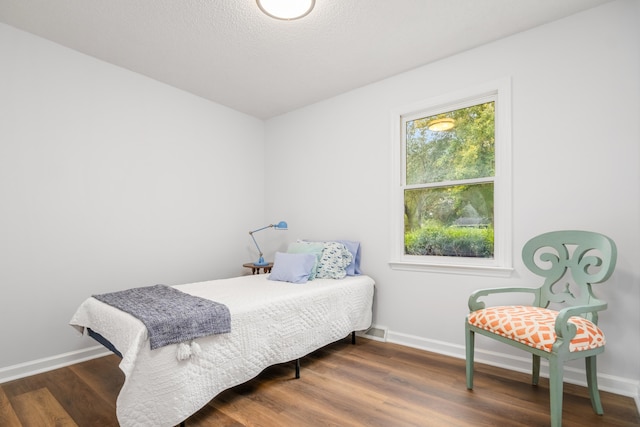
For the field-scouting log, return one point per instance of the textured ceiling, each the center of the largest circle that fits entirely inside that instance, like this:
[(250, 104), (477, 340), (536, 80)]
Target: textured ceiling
[(228, 51)]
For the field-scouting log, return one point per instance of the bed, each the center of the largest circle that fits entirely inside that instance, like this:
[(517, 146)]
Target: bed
[(272, 322)]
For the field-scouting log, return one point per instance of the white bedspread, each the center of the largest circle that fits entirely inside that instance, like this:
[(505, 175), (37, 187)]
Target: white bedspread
[(271, 322)]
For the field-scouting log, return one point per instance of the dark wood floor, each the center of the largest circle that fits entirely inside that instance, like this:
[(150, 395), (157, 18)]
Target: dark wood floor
[(367, 384)]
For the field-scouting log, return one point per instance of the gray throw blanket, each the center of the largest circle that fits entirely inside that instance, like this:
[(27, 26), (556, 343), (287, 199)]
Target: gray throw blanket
[(171, 316)]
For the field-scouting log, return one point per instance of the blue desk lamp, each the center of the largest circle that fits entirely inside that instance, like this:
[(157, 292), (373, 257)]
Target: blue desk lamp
[(279, 226)]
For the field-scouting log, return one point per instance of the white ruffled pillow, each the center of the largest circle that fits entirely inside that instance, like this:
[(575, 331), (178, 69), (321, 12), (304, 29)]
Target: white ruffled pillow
[(334, 262)]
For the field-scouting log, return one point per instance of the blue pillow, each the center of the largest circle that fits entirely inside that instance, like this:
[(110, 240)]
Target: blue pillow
[(308, 248), (294, 268)]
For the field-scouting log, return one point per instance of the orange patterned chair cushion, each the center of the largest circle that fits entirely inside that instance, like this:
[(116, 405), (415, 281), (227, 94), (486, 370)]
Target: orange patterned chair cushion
[(534, 326)]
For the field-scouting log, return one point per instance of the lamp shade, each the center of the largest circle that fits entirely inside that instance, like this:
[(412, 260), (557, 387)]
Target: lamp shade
[(281, 226)]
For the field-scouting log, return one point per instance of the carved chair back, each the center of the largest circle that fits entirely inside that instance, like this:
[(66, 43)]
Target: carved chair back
[(570, 261)]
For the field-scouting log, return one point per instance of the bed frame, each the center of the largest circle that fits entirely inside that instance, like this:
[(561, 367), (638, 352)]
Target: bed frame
[(267, 328), (105, 342)]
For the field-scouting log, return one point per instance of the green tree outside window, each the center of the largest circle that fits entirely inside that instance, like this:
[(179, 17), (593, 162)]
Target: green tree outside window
[(449, 184)]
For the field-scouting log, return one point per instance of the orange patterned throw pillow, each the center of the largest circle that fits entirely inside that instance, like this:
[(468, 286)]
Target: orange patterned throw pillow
[(534, 326)]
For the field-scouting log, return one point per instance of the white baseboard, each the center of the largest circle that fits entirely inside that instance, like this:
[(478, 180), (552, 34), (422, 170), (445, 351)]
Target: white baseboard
[(33, 367), (608, 383)]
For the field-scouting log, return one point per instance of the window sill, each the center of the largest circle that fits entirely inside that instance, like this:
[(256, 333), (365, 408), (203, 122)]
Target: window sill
[(472, 270)]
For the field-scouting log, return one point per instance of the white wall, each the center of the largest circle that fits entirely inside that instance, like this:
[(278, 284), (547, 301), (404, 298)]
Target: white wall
[(576, 163), (110, 180)]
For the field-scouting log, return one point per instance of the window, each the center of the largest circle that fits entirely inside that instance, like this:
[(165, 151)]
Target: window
[(451, 195)]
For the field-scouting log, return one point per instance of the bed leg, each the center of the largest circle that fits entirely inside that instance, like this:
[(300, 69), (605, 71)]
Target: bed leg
[(297, 368), (353, 337)]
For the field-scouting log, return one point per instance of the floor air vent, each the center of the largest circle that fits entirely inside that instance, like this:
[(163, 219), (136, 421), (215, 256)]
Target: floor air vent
[(376, 333)]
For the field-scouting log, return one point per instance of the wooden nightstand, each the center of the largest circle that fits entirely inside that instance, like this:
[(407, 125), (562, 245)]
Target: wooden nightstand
[(255, 269)]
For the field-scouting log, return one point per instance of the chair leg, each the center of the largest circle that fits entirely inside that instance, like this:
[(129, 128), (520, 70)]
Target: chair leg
[(556, 373), (592, 384), (535, 377), (469, 344)]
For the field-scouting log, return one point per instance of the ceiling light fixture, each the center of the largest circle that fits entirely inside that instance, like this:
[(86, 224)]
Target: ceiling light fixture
[(286, 10), (439, 125)]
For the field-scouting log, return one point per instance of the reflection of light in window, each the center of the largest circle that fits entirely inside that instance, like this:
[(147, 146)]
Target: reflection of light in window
[(440, 125)]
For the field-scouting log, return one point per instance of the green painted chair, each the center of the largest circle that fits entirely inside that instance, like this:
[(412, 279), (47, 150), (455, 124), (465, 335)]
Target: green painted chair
[(558, 336)]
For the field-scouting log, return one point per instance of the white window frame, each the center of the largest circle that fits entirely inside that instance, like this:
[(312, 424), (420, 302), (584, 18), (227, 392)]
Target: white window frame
[(501, 265)]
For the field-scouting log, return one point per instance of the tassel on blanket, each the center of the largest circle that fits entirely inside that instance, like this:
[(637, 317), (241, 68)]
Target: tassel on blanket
[(185, 351), (195, 348)]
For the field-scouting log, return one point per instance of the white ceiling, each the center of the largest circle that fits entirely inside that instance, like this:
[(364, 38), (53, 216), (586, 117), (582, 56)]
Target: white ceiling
[(228, 51)]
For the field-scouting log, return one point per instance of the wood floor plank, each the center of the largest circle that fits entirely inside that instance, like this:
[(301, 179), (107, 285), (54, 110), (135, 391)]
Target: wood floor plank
[(75, 395), (211, 417), (8, 417), (24, 385), (99, 375), (321, 401), (39, 408), (412, 393)]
